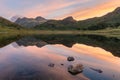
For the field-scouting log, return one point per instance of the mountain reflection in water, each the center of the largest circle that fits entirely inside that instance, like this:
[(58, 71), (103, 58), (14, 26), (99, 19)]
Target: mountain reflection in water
[(45, 58), (110, 44)]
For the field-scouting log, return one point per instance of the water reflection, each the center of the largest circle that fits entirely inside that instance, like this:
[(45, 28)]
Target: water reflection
[(110, 44), (31, 63), (46, 58)]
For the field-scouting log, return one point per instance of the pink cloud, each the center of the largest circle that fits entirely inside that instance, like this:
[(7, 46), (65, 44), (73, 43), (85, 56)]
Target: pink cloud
[(96, 11), (49, 8), (59, 9)]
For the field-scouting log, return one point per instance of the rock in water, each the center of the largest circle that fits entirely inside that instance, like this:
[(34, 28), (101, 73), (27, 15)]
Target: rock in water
[(70, 59), (62, 64), (51, 65), (75, 69), (97, 70)]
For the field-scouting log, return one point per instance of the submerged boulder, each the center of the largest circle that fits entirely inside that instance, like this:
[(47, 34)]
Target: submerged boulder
[(75, 69), (97, 70), (70, 58), (51, 65), (62, 64)]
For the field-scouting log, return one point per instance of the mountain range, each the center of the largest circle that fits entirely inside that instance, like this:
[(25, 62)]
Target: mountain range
[(30, 22), (110, 20), (66, 23)]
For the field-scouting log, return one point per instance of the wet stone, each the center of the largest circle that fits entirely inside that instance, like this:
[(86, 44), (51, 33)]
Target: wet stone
[(70, 58), (97, 70), (62, 64), (51, 65), (75, 69)]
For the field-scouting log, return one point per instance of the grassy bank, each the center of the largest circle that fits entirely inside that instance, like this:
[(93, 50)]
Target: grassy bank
[(106, 32)]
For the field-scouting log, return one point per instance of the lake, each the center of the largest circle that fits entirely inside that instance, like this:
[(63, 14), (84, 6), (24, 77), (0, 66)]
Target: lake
[(45, 57)]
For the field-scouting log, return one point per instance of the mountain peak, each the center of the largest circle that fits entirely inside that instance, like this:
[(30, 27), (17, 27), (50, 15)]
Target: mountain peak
[(70, 18), (39, 18), (117, 10), (14, 18), (30, 22)]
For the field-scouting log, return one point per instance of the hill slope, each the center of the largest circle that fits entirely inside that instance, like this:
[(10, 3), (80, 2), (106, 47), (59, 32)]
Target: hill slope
[(6, 23), (111, 20)]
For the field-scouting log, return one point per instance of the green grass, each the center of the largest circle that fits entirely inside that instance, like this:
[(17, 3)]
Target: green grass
[(109, 32), (105, 32)]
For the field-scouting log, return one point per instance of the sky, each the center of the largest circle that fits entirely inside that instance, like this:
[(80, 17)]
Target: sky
[(57, 9)]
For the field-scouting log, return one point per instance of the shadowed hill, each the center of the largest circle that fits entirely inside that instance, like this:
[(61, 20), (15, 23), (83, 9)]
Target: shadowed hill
[(6, 23), (111, 20)]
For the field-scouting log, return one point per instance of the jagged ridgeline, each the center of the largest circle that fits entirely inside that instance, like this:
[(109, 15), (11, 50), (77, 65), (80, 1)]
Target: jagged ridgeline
[(30, 22), (65, 24), (110, 20)]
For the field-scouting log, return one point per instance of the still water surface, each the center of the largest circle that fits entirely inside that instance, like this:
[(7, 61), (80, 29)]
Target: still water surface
[(30, 57)]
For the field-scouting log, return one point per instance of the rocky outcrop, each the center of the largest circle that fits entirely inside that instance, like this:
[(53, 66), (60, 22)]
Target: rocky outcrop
[(51, 65), (69, 19)]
